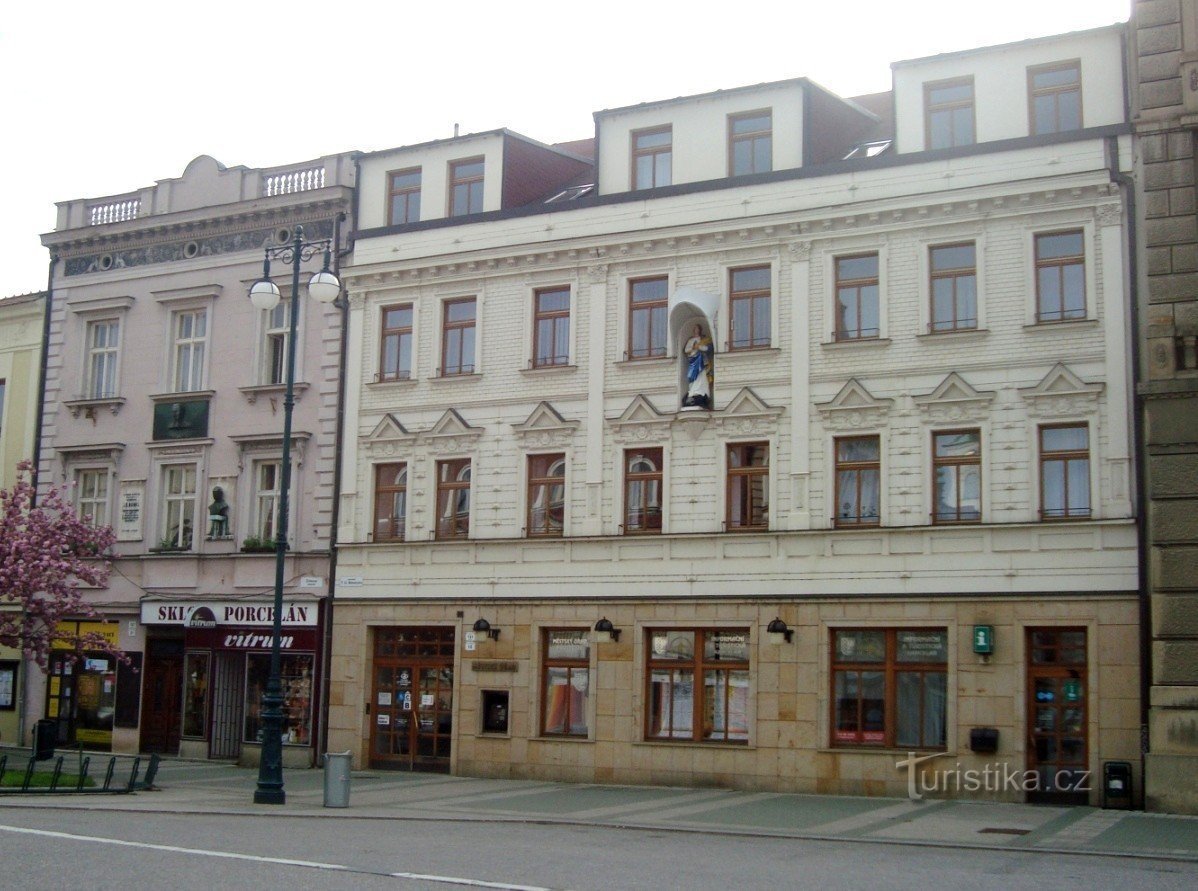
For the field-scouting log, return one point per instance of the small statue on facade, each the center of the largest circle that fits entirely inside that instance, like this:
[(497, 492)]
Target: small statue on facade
[(700, 353), (218, 515)]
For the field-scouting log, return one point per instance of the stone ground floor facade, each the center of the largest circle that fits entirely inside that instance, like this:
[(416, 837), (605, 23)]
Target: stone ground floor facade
[(696, 692)]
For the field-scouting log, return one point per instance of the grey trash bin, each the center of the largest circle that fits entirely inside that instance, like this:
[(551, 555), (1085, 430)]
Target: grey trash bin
[(336, 779)]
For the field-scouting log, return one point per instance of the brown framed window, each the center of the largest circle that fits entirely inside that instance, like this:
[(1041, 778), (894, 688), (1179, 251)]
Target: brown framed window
[(858, 480), (1054, 97), (465, 187), (949, 113), (457, 337), (857, 316), (647, 302), (1060, 276), (749, 301), (652, 157), (453, 498), (403, 196), (954, 287), (698, 685), (957, 476), (750, 142), (546, 494), (1064, 471), (551, 327), (395, 343), (889, 687), (642, 491), (390, 501), (565, 680), (748, 486)]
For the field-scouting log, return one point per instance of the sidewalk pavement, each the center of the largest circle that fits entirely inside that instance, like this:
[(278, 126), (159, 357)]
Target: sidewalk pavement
[(219, 788)]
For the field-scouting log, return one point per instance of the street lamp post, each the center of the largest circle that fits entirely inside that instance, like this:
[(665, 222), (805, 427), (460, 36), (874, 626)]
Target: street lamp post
[(264, 294)]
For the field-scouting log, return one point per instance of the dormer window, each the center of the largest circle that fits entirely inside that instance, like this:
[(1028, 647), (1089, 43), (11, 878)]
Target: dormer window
[(403, 196), (652, 158), (466, 187), (949, 106), (750, 143), (1055, 97)]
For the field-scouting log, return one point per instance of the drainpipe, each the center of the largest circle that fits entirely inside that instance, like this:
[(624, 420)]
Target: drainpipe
[(37, 461), (1127, 187), (334, 519)]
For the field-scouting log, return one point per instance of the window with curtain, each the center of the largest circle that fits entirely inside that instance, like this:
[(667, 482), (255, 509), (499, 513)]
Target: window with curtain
[(889, 687)]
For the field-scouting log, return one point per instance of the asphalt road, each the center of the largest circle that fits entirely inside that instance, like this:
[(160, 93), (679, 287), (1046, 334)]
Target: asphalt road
[(50, 848)]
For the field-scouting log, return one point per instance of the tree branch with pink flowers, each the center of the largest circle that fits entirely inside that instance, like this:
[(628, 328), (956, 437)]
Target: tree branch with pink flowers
[(47, 555)]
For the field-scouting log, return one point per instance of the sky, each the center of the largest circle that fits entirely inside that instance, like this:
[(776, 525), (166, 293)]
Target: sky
[(105, 98)]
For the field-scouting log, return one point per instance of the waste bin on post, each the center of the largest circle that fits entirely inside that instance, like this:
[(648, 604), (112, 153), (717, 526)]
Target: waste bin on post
[(336, 779), (45, 736), (1116, 784)]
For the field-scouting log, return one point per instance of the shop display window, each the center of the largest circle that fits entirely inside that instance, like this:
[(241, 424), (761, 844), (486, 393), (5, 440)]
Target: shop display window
[(295, 672), (566, 682)]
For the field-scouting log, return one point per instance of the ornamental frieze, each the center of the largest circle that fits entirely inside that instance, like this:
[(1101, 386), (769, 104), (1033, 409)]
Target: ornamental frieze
[(186, 249)]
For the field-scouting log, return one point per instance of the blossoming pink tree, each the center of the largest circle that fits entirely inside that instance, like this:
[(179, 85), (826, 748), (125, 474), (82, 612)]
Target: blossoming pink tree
[(46, 554)]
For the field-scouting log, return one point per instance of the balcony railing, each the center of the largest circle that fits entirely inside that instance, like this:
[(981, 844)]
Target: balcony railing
[(117, 211), (291, 181)]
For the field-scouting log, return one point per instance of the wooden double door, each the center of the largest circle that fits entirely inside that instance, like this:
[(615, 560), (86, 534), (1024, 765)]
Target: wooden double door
[(411, 704)]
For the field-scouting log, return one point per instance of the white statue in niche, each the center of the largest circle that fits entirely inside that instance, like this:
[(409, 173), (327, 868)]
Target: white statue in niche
[(700, 355)]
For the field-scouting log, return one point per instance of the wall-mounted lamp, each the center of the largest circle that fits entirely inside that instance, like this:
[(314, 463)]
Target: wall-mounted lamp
[(605, 632), (778, 631), (482, 626)]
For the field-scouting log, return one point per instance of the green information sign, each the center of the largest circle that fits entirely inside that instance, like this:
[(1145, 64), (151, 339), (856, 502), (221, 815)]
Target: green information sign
[(983, 639)]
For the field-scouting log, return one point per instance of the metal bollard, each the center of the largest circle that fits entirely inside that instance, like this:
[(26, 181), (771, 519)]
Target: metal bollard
[(336, 779)]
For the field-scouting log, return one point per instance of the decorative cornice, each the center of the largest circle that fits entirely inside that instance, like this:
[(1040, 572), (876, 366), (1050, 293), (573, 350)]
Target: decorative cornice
[(796, 237), (640, 422)]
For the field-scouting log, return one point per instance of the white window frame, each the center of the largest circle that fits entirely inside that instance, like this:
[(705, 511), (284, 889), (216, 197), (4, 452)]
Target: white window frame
[(828, 260), (166, 498), (112, 354), (259, 496), (197, 372), (271, 333), (100, 517)]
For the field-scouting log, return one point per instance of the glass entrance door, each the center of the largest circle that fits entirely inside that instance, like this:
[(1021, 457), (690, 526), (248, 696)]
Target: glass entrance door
[(411, 704), (1057, 715)]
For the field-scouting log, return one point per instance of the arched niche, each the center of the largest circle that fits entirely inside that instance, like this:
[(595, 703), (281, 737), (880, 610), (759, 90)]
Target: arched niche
[(689, 307)]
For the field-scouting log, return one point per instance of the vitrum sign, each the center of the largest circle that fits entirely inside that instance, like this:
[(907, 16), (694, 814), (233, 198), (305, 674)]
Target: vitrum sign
[(210, 614)]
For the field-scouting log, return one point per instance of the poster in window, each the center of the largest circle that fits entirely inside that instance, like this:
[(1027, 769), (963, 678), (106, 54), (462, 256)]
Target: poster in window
[(8, 685)]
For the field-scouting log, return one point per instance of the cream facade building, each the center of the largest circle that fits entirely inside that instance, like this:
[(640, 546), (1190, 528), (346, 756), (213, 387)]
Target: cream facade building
[(902, 519), (21, 324)]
